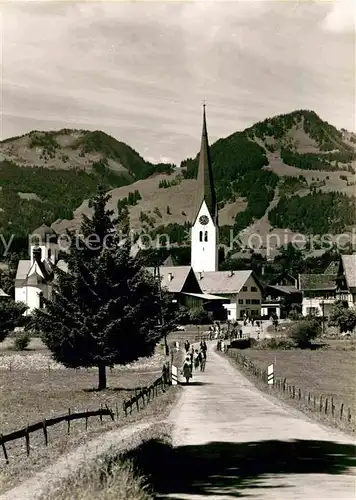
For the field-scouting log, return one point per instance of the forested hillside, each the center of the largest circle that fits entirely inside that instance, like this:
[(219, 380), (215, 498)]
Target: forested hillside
[(301, 164)]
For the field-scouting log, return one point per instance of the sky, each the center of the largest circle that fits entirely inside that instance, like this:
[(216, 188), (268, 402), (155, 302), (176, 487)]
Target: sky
[(140, 71)]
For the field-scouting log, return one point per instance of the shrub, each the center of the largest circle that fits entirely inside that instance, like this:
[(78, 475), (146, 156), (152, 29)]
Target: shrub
[(198, 316), (22, 340), (283, 343), (243, 343), (305, 331)]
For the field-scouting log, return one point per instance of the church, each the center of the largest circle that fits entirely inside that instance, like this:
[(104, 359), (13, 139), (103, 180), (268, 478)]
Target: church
[(239, 291), (201, 283)]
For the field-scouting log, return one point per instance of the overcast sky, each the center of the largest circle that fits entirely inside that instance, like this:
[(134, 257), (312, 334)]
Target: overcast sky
[(141, 70)]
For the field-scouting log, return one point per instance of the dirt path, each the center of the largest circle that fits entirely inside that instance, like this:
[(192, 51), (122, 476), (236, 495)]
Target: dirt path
[(234, 441), (33, 488)]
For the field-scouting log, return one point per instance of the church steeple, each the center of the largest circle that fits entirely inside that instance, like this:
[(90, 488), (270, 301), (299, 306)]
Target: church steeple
[(205, 188), (204, 231)]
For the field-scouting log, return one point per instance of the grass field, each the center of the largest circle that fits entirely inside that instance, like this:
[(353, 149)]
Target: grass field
[(34, 387), (329, 372)]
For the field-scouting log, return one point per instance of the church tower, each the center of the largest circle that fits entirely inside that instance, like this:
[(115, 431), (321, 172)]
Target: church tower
[(204, 231)]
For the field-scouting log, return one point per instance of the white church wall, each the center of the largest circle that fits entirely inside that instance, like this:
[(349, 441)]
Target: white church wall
[(204, 249), (30, 296)]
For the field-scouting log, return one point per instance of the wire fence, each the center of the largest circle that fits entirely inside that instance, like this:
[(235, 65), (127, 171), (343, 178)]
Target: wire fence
[(320, 403), (142, 398)]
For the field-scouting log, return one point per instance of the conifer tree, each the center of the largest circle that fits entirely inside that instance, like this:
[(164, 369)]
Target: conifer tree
[(105, 308)]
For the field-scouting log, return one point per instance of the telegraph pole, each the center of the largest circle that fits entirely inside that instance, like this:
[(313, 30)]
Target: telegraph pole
[(157, 275)]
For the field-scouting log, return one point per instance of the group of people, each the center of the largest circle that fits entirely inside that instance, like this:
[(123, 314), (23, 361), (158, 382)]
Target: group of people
[(195, 358)]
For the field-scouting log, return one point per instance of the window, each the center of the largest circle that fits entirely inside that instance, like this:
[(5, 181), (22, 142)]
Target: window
[(311, 311), (241, 301), (229, 313), (254, 312), (255, 301), (248, 301), (200, 235), (49, 253), (244, 288), (206, 236), (41, 303), (253, 289)]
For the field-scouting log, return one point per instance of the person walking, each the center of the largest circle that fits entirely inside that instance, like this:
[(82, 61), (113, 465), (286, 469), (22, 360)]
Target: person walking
[(202, 361), (187, 369), (187, 346), (196, 359)]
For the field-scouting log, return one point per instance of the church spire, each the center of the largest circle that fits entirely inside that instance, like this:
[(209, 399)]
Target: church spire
[(205, 188)]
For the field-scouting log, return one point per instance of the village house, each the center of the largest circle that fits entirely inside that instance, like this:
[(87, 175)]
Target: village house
[(346, 280), (321, 291), (281, 294), (241, 290)]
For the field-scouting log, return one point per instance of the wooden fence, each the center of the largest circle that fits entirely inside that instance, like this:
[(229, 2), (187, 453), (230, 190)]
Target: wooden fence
[(315, 402), (141, 398)]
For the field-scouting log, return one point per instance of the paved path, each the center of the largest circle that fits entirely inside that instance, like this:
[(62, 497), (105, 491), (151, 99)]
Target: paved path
[(235, 441)]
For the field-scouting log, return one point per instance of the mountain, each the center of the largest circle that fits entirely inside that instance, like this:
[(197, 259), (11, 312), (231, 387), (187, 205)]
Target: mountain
[(49, 174), (290, 173)]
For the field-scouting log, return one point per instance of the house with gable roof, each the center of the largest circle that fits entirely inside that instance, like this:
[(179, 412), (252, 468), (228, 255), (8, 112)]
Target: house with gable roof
[(346, 280)]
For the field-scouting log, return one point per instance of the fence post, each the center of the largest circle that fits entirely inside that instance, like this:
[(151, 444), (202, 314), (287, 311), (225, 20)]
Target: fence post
[(124, 407), (326, 406), (332, 407), (101, 413), (86, 420), (321, 403), (111, 412), (137, 401), (349, 415), (299, 394), (117, 411), (314, 401), (27, 437), (293, 392), (341, 410), (68, 430), (308, 398), (45, 432), (4, 449)]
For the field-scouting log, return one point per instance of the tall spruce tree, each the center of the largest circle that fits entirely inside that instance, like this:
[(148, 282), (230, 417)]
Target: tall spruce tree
[(105, 307)]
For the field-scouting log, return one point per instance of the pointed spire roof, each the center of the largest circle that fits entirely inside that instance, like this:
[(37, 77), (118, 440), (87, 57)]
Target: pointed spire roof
[(205, 188)]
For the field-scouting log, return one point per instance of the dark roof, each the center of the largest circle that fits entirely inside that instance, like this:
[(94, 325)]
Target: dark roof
[(205, 188), (317, 281), (286, 289)]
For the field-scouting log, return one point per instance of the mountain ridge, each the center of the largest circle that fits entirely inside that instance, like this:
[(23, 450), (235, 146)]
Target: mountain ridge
[(296, 154)]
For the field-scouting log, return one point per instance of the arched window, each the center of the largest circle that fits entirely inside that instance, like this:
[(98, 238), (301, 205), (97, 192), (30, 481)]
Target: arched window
[(200, 235), (206, 236)]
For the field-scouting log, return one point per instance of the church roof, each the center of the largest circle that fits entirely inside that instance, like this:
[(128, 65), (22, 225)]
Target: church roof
[(205, 189), (215, 282)]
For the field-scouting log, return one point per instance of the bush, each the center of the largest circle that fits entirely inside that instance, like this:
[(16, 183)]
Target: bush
[(283, 343), (243, 343), (305, 331), (198, 316), (22, 340)]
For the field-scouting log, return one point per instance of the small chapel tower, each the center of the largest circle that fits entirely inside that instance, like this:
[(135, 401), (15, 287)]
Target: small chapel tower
[(204, 232)]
